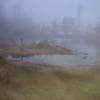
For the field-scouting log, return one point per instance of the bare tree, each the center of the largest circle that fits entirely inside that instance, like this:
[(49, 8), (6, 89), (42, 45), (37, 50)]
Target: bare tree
[(2, 9), (21, 47), (17, 10), (68, 25), (54, 26), (96, 38)]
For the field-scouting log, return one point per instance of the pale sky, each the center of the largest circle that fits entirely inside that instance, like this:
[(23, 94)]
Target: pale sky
[(43, 11)]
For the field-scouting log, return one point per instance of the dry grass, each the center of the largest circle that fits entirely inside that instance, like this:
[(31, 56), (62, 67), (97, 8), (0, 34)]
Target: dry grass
[(36, 49), (28, 83)]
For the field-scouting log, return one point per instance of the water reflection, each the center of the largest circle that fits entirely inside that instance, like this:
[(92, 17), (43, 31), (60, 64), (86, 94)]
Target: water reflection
[(62, 59), (85, 54)]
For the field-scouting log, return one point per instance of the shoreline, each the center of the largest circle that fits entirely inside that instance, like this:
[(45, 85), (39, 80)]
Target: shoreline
[(54, 66)]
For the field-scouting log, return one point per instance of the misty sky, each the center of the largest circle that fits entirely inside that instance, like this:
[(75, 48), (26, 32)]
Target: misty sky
[(43, 11)]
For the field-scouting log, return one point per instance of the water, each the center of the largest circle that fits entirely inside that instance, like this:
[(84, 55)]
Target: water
[(62, 59), (68, 59)]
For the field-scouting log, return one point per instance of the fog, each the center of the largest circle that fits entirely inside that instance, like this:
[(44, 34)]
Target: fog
[(74, 24)]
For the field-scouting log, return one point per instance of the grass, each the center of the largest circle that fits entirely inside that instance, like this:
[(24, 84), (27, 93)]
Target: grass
[(28, 83), (36, 49), (42, 51)]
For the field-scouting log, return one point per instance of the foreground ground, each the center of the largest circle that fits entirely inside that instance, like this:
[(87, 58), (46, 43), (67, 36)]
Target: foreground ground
[(42, 82)]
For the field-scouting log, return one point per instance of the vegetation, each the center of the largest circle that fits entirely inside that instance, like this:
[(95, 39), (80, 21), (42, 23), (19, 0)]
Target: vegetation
[(34, 49), (46, 82)]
